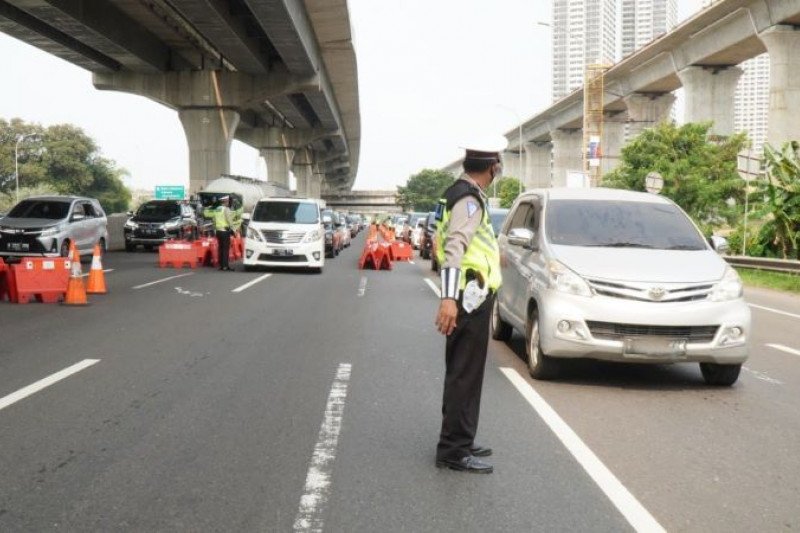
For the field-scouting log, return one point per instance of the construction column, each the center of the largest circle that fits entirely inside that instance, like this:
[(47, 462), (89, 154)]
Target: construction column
[(209, 133), (538, 158), (647, 110), (301, 168), (783, 45), (709, 96), (567, 154), (611, 144)]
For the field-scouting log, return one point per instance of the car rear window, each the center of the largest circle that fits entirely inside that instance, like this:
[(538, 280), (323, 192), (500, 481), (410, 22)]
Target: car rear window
[(159, 210), (621, 225), (288, 212), (48, 209)]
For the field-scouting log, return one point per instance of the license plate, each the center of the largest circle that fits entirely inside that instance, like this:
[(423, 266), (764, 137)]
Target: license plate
[(281, 252), (655, 346), (19, 246)]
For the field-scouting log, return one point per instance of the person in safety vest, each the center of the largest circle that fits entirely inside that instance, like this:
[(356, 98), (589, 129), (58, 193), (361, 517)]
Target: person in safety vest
[(222, 218), (470, 272)]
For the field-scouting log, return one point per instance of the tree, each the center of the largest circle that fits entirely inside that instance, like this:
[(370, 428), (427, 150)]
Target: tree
[(510, 187), (423, 190), (780, 210), (61, 158), (700, 172)]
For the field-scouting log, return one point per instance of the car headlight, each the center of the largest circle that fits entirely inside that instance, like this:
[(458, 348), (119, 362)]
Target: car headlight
[(172, 224), (254, 234), (131, 224), (52, 231), (313, 235), (563, 279), (728, 288)]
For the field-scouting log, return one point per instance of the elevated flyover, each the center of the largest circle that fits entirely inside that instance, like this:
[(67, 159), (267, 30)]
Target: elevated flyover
[(365, 202), (279, 75), (701, 55)]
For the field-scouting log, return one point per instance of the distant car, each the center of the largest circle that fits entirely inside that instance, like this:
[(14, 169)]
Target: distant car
[(48, 225), (618, 276), (333, 237), (427, 236), (354, 224), (158, 221), (341, 225), (411, 225), (417, 233)]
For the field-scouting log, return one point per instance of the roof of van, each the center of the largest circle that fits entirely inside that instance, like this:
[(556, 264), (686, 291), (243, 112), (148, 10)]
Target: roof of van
[(597, 193), (288, 199)]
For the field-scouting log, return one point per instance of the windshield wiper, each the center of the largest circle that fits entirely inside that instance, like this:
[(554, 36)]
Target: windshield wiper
[(620, 245)]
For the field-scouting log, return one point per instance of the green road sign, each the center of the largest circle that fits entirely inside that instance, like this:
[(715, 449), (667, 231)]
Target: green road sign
[(170, 192)]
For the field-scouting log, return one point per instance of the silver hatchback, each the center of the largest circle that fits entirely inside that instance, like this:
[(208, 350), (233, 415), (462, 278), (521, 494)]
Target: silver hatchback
[(48, 225), (619, 276)]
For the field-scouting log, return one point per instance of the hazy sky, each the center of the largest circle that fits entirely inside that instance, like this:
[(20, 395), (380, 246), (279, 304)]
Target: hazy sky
[(430, 73)]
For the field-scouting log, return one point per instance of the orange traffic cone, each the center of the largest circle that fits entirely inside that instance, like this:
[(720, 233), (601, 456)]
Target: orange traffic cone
[(97, 279), (76, 292)]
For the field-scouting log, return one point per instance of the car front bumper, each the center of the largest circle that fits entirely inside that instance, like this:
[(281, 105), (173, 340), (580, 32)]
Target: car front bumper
[(615, 329), (305, 255)]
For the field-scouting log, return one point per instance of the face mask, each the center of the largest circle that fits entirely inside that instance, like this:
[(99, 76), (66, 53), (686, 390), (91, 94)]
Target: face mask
[(497, 172)]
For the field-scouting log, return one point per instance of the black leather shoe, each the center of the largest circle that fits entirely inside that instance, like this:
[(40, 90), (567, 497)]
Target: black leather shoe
[(480, 451), (469, 464)]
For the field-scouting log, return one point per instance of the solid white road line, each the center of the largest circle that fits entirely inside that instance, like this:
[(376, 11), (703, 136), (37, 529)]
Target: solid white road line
[(627, 504), (412, 262), (783, 348), (362, 286), (251, 283), (318, 481), (14, 397), (434, 288), (162, 280), (771, 310)]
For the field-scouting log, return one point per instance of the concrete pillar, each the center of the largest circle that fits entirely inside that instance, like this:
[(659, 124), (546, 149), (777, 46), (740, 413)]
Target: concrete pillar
[(783, 45), (315, 184), (611, 145), (647, 110), (209, 133), (512, 165), (301, 168), (538, 160), (709, 96), (278, 163), (567, 154)]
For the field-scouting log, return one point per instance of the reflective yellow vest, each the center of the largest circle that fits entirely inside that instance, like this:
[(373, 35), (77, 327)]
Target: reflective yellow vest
[(217, 215), (483, 254)]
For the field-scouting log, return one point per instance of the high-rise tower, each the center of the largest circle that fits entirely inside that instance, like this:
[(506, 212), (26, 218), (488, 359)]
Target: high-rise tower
[(751, 102), (645, 20)]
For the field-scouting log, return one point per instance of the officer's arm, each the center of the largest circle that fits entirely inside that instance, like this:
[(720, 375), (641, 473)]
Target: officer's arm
[(465, 219)]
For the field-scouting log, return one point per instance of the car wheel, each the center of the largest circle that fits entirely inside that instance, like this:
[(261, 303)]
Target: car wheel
[(148, 247), (501, 331), (130, 247), (64, 250), (540, 366), (720, 375), (316, 270)]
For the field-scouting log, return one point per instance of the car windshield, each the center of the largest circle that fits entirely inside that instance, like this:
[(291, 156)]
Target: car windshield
[(159, 210), (621, 225), (289, 212), (48, 209)]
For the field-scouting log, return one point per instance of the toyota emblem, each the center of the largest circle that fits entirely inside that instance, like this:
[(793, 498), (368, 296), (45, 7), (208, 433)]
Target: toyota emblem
[(656, 293)]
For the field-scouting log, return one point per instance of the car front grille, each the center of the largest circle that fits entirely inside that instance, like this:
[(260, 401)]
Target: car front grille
[(283, 237), (613, 331), (282, 258), (652, 292)]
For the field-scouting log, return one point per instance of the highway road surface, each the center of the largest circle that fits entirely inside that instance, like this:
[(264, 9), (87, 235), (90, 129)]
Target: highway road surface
[(195, 400)]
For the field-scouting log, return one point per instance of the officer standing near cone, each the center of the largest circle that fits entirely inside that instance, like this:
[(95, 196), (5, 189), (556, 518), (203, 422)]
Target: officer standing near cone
[(470, 271), (222, 218)]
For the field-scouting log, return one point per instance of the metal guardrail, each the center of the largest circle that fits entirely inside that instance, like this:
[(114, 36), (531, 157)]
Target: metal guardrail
[(764, 263)]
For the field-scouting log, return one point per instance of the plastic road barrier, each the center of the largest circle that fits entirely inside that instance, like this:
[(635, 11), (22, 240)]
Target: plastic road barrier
[(176, 254), (43, 279)]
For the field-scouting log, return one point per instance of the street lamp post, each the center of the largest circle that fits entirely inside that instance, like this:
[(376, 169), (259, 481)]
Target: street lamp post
[(16, 162), (746, 175)]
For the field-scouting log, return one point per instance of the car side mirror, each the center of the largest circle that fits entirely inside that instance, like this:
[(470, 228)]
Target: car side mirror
[(78, 218), (246, 216), (523, 237), (130, 213)]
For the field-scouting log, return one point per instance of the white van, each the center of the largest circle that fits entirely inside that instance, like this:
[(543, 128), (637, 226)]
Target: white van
[(620, 276), (285, 232)]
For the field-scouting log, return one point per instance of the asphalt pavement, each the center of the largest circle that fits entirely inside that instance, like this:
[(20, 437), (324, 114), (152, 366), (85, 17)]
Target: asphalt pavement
[(279, 400)]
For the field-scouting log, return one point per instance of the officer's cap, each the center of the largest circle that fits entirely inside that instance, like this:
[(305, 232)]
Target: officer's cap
[(485, 147)]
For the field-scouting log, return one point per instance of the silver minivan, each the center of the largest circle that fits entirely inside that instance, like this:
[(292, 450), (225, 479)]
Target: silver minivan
[(619, 276), (47, 225)]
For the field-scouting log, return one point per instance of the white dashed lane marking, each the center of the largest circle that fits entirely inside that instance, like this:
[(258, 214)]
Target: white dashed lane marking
[(776, 311), (434, 288), (162, 280), (24, 392), (251, 283), (785, 349)]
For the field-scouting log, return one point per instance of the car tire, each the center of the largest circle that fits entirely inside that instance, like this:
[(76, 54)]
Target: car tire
[(130, 247), (316, 270), (501, 331), (148, 247), (540, 366), (720, 375), (64, 250)]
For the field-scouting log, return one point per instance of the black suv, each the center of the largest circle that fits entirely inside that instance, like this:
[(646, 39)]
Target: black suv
[(158, 221)]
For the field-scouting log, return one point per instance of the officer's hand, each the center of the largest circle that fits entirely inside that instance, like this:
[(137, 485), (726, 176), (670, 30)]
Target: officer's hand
[(446, 319)]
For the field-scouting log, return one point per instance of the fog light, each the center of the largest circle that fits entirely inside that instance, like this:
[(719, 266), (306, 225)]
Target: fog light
[(564, 326), (316, 256), (736, 332), (249, 253)]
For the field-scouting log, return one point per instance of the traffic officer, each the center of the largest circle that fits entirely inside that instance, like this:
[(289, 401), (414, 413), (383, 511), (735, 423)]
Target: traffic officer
[(222, 218), (470, 271)]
